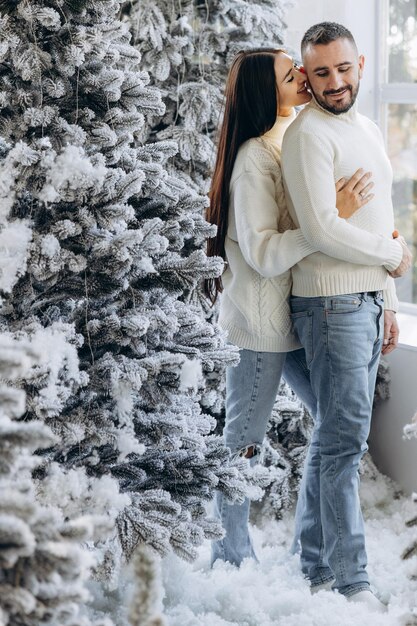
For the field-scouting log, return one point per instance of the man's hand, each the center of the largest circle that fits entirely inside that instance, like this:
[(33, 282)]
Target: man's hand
[(391, 332), (405, 264)]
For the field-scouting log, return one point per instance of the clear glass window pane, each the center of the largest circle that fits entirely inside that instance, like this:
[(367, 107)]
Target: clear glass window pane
[(402, 150), (402, 41)]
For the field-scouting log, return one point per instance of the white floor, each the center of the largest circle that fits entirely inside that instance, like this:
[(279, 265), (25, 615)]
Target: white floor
[(274, 593)]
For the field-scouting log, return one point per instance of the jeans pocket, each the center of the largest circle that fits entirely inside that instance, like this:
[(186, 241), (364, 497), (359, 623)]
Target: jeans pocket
[(303, 326), (345, 304)]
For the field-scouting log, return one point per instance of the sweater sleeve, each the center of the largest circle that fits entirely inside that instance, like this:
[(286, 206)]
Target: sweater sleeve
[(307, 166), (390, 296), (267, 251)]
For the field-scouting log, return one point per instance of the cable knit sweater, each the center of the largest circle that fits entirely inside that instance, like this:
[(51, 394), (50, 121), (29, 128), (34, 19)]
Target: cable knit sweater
[(261, 245), (317, 150)]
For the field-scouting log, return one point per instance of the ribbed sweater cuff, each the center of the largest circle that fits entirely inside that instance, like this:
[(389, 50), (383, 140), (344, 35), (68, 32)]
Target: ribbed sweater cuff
[(390, 301), (395, 255), (304, 246)]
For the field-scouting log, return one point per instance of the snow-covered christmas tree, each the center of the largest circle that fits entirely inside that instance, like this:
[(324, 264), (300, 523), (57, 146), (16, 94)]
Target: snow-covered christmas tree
[(145, 607), (105, 272), (187, 48), (43, 565)]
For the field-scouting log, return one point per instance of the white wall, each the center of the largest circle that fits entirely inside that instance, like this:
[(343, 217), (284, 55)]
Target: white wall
[(361, 17), (393, 455)]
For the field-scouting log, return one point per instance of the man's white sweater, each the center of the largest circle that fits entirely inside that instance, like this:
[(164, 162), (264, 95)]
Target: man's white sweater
[(318, 149)]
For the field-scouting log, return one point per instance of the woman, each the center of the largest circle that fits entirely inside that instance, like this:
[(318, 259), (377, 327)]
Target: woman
[(257, 239)]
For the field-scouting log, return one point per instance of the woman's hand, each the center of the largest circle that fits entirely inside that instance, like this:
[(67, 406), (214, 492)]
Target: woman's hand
[(353, 194)]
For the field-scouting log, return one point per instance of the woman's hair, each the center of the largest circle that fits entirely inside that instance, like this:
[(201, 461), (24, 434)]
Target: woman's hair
[(250, 110)]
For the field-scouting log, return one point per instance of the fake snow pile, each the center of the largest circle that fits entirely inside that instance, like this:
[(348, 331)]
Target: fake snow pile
[(274, 593)]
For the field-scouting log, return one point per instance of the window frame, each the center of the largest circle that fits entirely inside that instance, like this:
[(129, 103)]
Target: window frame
[(386, 92), (389, 93)]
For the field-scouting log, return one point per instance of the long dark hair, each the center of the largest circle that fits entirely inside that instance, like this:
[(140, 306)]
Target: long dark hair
[(250, 110)]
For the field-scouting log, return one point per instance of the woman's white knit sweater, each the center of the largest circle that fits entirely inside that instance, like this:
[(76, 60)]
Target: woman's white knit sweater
[(261, 245), (318, 149)]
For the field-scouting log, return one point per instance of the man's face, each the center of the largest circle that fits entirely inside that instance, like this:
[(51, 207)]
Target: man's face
[(334, 71)]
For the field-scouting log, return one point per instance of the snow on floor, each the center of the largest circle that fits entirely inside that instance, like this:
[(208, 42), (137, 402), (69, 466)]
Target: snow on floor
[(274, 593)]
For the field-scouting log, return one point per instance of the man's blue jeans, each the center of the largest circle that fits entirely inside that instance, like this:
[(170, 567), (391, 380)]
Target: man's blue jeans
[(342, 339), (251, 390)]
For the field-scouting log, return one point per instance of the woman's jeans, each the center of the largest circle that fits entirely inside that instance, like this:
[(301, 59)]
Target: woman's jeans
[(251, 390), (342, 338)]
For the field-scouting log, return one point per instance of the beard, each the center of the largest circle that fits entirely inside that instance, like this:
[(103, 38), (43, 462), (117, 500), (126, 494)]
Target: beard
[(335, 108)]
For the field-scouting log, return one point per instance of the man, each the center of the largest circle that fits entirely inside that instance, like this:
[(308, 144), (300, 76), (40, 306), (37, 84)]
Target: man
[(338, 302)]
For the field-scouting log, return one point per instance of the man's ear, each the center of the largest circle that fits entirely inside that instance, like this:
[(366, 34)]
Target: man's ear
[(361, 65), (302, 70)]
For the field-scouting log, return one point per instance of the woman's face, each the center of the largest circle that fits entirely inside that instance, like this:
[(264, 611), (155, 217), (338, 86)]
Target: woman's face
[(291, 84)]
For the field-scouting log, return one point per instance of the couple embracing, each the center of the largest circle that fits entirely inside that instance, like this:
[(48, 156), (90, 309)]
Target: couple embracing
[(305, 223)]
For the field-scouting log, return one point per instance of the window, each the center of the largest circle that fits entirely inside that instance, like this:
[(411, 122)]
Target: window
[(398, 102)]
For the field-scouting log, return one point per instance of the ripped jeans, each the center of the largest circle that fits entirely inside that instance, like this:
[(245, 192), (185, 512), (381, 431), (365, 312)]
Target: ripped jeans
[(251, 389)]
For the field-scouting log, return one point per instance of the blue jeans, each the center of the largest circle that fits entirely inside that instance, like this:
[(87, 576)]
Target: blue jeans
[(342, 338), (251, 390), (297, 375)]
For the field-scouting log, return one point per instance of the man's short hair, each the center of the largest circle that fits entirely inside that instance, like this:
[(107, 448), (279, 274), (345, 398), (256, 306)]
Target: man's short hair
[(324, 33)]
